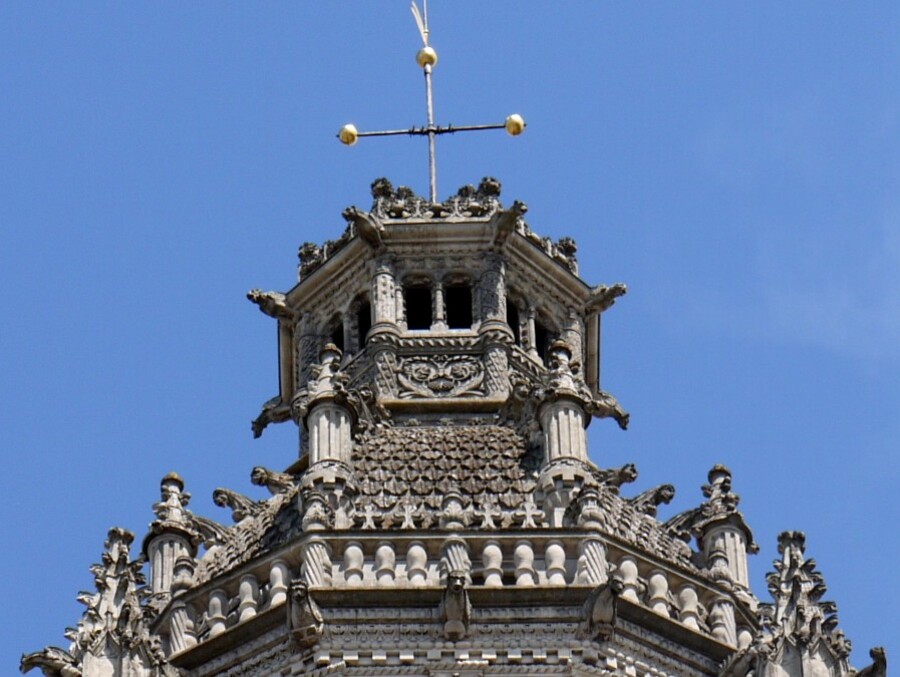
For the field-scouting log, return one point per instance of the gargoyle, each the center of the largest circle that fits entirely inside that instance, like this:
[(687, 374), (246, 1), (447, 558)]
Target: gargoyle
[(240, 505), (506, 220), (648, 501), (275, 482), (878, 668), (211, 532), (52, 661), (273, 411), (304, 616), (616, 477), (272, 303), (602, 297), (598, 615), (367, 226), (455, 609), (606, 405)]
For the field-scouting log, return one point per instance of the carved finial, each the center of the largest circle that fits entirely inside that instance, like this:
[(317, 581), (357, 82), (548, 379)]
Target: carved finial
[(797, 633), (112, 626)]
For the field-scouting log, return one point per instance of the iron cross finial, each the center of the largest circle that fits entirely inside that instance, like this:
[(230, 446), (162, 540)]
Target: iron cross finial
[(427, 58)]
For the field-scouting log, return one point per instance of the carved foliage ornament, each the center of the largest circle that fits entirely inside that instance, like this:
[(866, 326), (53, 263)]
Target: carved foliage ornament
[(440, 376)]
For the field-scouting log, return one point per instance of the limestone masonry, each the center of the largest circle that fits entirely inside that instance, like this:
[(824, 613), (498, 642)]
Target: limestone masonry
[(442, 361)]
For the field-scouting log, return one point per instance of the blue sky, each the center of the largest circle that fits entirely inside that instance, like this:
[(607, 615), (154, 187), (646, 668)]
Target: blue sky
[(736, 164)]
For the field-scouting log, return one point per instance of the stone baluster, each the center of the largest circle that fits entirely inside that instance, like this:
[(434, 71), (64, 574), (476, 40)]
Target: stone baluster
[(455, 557), (628, 571), (722, 622), (689, 607), (182, 634), (523, 560), (593, 567), (658, 592), (555, 560), (492, 561), (353, 563), (416, 564), (279, 575), (181, 628), (248, 597), (385, 563), (316, 567), (218, 606)]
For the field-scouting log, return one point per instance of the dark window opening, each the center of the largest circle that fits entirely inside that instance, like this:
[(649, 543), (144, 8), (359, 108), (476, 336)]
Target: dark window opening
[(458, 300), (512, 318), (541, 339), (418, 307), (363, 323), (337, 337)]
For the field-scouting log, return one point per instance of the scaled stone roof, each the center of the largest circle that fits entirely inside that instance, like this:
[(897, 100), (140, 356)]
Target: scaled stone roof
[(404, 475)]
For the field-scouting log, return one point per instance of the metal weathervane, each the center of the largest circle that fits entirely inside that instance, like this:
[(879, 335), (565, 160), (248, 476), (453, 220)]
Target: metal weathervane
[(427, 58)]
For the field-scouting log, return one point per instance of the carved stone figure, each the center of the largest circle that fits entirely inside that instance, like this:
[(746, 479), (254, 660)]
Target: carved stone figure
[(606, 405), (367, 226), (304, 616), (241, 506), (271, 303), (275, 482), (598, 615), (614, 478), (52, 661), (649, 501), (273, 411), (878, 668), (455, 609)]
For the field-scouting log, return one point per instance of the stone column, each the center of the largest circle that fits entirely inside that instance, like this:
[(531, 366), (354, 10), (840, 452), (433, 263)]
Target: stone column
[(439, 311), (492, 292), (722, 622), (329, 433), (383, 292), (171, 537)]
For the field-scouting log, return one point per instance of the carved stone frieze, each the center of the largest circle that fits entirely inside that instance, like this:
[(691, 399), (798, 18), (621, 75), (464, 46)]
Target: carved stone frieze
[(441, 376)]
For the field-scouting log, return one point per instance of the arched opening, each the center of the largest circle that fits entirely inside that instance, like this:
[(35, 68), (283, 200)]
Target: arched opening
[(458, 302), (417, 299), (512, 318), (363, 322)]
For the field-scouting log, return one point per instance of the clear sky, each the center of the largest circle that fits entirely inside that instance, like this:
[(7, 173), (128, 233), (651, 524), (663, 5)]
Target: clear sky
[(736, 164)]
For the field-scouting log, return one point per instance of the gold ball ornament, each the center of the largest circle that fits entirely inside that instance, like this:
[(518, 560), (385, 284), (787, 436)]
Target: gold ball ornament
[(515, 124), (426, 57), (348, 135)]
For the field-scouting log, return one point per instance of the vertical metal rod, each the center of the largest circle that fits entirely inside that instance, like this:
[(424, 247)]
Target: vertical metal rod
[(432, 165)]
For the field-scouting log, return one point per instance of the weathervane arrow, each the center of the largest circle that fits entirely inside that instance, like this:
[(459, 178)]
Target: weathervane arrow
[(427, 58)]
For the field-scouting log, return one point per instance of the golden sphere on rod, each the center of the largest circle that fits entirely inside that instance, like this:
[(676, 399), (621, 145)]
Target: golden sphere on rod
[(348, 135), (426, 57), (515, 124)]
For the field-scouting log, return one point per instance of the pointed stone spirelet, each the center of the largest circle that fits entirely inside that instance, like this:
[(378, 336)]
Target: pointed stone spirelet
[(112, 639), (798, 634)]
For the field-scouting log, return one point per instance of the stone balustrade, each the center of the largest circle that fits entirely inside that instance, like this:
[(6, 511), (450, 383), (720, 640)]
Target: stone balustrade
[(498, 562)]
